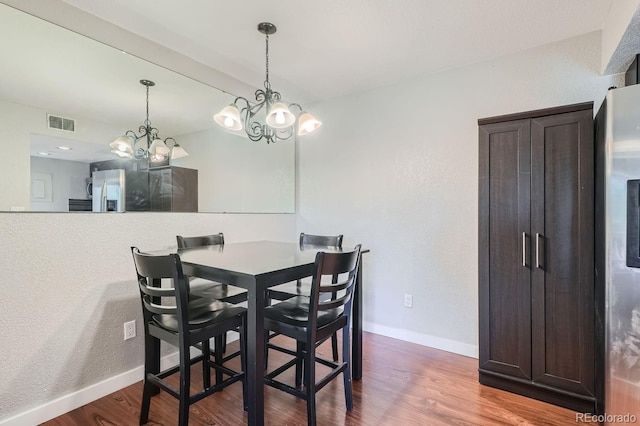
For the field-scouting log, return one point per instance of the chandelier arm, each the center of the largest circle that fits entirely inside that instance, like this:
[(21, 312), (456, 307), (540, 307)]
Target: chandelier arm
[(140, 154), (143, 131), (254, 130), (261, 99), (284, 134), (240, 98), (273, 96), (296, 105)]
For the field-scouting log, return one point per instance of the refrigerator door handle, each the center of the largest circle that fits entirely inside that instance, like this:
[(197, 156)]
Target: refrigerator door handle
[(524, 249), (103, 198), (538, 238)]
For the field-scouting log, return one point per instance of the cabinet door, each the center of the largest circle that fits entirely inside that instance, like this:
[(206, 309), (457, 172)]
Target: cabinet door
[(562, 222), (185, 190), (160, 189), (504, 253)]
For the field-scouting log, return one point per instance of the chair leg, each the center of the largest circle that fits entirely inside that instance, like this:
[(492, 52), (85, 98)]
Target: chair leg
[(299, 362), (218, 355), (206, 368), (346, 374), (148, 389), (266, 349), (334, 346), (310, 382), (185, 385)]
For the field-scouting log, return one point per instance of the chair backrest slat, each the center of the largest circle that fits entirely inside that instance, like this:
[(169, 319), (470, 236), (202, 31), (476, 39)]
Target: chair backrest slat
[(152, 291), (158, 309), (329, 241), (332, 304), (200, 241)]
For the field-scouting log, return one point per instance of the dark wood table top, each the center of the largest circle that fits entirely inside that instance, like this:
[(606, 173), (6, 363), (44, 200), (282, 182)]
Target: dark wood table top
[(265, 260)]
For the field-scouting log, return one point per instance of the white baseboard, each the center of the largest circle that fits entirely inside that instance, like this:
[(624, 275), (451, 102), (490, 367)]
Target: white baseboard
[(423, 339), (69, 402)]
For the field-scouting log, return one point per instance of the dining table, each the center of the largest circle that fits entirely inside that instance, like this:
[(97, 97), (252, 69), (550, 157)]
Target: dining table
[(256, 266)]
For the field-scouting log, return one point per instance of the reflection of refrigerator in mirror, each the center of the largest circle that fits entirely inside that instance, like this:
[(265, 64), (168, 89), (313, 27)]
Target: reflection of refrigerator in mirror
[(109, 189)]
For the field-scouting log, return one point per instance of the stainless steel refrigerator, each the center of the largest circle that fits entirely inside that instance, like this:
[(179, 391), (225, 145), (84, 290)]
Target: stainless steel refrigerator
[(109, 190), (618, 252)]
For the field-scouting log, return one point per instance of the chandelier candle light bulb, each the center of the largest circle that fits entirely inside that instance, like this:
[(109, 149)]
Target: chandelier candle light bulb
[(280, 123)]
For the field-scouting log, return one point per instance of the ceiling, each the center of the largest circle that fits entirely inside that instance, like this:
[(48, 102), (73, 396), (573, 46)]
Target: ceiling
[(325, 49)]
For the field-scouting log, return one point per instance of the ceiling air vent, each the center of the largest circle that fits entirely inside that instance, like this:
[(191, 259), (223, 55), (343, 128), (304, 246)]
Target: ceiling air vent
[(61, 123)]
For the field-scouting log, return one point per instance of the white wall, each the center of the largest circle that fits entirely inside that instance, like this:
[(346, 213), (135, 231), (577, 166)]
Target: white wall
[(67, 181), (237, 175), (68, 285), (17, 123), (396, 170)]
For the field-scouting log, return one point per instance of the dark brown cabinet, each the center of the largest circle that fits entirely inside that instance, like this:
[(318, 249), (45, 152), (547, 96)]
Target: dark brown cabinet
[(173, 189), (536, 274)]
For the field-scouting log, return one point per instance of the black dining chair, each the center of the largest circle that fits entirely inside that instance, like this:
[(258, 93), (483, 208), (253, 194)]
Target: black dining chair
[(185, 323), (207, 289), (210, 289), (303, 287), (310, 320)]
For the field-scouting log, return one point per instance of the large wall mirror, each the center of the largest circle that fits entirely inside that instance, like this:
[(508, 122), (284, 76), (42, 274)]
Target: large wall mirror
[(95, 92)]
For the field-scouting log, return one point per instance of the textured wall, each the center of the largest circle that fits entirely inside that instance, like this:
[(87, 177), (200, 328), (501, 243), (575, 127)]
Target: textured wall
[(68, 285), (396, 169)]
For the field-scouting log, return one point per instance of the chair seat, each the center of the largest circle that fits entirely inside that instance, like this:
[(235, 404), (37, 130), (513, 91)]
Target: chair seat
[(288, 290), (212, 290), (295, 312), (202, 312)]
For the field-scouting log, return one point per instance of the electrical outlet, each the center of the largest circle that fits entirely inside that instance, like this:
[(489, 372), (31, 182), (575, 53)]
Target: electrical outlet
[(129, 330), (408, 301)]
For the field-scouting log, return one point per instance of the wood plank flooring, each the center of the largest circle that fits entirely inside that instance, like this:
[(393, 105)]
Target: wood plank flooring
[(403, 384)]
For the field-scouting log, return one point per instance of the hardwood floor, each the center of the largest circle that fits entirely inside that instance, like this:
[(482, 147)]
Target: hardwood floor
[(403, 384)]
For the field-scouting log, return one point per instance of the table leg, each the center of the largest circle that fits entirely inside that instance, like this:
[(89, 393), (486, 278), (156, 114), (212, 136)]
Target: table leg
[(356, 344), (255, 354)]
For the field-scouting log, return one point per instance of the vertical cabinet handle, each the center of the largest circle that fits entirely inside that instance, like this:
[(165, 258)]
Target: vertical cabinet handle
[(538, 239), (524, 249)]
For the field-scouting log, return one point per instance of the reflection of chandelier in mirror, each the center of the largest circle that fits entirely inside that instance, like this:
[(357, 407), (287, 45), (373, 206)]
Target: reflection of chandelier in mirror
[(155, 149), (280, 122)]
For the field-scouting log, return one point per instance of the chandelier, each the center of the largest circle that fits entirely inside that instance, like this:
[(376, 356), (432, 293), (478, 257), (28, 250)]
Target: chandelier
[(147, 144), (280, 122)]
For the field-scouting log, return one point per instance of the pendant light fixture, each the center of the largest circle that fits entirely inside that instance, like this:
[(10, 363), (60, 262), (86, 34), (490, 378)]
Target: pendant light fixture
[(153, 148), (280, 122)]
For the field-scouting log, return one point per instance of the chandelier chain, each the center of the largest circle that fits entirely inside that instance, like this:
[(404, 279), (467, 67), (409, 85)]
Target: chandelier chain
[(267, 85), (147, 122)]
